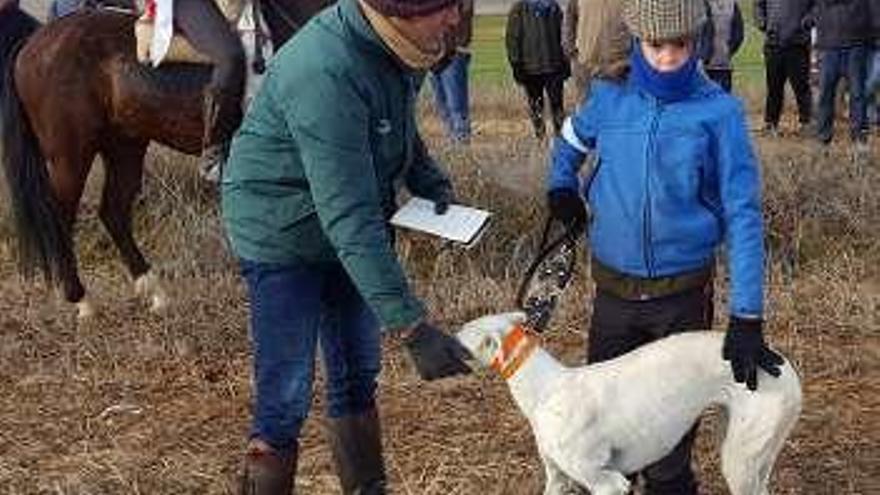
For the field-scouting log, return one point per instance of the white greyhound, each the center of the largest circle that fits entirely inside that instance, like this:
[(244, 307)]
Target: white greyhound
[(595, 424)]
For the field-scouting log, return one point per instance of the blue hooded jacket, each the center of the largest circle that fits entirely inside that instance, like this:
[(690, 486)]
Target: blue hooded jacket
[(672, 181)]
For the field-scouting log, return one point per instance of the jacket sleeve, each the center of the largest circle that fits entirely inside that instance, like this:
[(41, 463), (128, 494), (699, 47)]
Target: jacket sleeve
[(424, 178), (337, 160), (513, 35), (570, 148), (740, 192)]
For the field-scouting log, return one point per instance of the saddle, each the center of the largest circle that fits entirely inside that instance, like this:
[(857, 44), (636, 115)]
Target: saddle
[(181, 50)]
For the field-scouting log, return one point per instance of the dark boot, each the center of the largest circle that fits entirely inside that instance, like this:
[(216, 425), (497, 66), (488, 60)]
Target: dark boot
[(222, 116), (356, 442), (265, 473)]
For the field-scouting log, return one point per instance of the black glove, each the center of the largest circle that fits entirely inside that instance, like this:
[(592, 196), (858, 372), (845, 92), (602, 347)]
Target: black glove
[(568, 207), (442, 204), (744, 347), (436, 354)]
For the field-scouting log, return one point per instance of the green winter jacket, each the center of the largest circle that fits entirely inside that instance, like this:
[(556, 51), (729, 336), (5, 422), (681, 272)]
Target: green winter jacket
[(314, 169)]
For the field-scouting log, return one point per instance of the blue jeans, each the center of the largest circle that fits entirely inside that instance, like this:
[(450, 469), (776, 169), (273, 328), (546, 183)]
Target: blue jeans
[(872, 85), (292, 309), (451, 96), (837, 63)]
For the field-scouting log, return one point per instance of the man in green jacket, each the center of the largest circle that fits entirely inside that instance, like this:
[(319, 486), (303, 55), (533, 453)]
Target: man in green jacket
[(311, 181)]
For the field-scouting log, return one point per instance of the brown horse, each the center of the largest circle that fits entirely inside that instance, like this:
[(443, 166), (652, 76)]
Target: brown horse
[(75, 90)]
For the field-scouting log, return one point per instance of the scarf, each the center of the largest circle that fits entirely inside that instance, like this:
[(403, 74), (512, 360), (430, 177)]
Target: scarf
[(541, 8), (667, 87), (388, 30)]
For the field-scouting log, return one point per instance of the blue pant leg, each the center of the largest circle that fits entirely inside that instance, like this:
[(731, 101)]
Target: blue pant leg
[(856, 75), (457, 95), (284, 317), (873, 83), (829, 74), (351, 347), (441, 105), (872, 86)]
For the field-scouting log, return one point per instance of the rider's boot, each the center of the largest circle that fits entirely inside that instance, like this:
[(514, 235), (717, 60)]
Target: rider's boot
[(265, 472), (356, 443)]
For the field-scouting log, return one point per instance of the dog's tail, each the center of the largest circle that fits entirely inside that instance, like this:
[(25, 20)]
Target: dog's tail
[(758, 424)]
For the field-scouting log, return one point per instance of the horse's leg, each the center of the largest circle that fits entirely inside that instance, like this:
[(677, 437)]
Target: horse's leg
[(68, 174), (124, 166)]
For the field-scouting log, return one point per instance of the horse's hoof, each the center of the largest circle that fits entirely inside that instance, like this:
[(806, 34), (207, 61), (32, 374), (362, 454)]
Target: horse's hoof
[(85, 309), (159, 302), (148, 286)]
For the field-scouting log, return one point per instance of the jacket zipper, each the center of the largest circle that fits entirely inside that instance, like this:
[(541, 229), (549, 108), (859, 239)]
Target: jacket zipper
[(646, 216)]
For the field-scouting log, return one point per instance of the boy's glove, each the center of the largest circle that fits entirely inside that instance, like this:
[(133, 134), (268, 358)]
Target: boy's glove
[(436, 354), (567, 206), (744, 347)]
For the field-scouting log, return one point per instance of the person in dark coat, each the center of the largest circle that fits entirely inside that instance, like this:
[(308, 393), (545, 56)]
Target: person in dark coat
[(720, 38), (786, 26), (534, 50), (843, 30)]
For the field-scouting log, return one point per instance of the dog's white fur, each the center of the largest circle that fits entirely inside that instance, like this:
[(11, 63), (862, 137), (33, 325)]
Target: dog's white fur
[(594, 424)]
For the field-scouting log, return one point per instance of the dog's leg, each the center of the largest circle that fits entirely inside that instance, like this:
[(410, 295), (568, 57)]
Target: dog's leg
[(555, 480), (605, 482)]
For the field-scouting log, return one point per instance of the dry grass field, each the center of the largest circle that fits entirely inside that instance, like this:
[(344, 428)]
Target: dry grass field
[(136, 403)]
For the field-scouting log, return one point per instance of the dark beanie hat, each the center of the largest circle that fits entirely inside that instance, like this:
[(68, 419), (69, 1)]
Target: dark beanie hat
[(409, 8)]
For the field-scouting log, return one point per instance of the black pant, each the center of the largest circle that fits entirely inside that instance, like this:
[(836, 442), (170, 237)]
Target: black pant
[(536, 85), (619, 326), (792, 64), (209, 32)]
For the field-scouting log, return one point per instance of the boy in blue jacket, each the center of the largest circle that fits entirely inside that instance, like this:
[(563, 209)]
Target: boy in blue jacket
[(674, 176)]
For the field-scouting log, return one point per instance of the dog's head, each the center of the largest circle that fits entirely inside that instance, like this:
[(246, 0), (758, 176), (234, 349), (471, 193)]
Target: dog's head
[(483, 337)]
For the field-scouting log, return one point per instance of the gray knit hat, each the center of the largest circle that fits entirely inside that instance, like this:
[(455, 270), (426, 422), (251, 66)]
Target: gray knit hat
[(664, 19)]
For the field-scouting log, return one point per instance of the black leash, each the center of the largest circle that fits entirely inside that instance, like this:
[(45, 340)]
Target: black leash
[(551, 278), (259, 63)]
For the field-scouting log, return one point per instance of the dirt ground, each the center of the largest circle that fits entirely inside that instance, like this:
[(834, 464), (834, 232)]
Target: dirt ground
[(132, 402)]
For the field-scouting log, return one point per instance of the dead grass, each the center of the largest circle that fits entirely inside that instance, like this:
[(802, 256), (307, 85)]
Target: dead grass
[(136, 403)]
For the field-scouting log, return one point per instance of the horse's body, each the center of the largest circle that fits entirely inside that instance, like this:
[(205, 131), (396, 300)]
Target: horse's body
[(75, 90)]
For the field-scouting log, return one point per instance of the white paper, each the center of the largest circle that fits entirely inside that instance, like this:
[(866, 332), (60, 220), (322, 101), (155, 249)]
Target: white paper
[(163, 31), (461, 224)]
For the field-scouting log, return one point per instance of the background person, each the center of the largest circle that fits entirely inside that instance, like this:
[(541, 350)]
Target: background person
[(655, 230), (450, 83), (310, 185), (843, 37), (602, 42), (721, 37), (534, 50), (786, 26)]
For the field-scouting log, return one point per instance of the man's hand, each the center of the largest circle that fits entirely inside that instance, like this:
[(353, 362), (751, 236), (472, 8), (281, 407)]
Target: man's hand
[(441, 204), (434, 353), (567, 206), (744, 347)]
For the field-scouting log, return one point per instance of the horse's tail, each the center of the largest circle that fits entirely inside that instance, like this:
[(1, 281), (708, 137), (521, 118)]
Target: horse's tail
[(44, 238)]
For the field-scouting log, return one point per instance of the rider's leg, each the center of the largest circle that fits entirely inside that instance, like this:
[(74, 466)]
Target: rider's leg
[(202, 23)]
